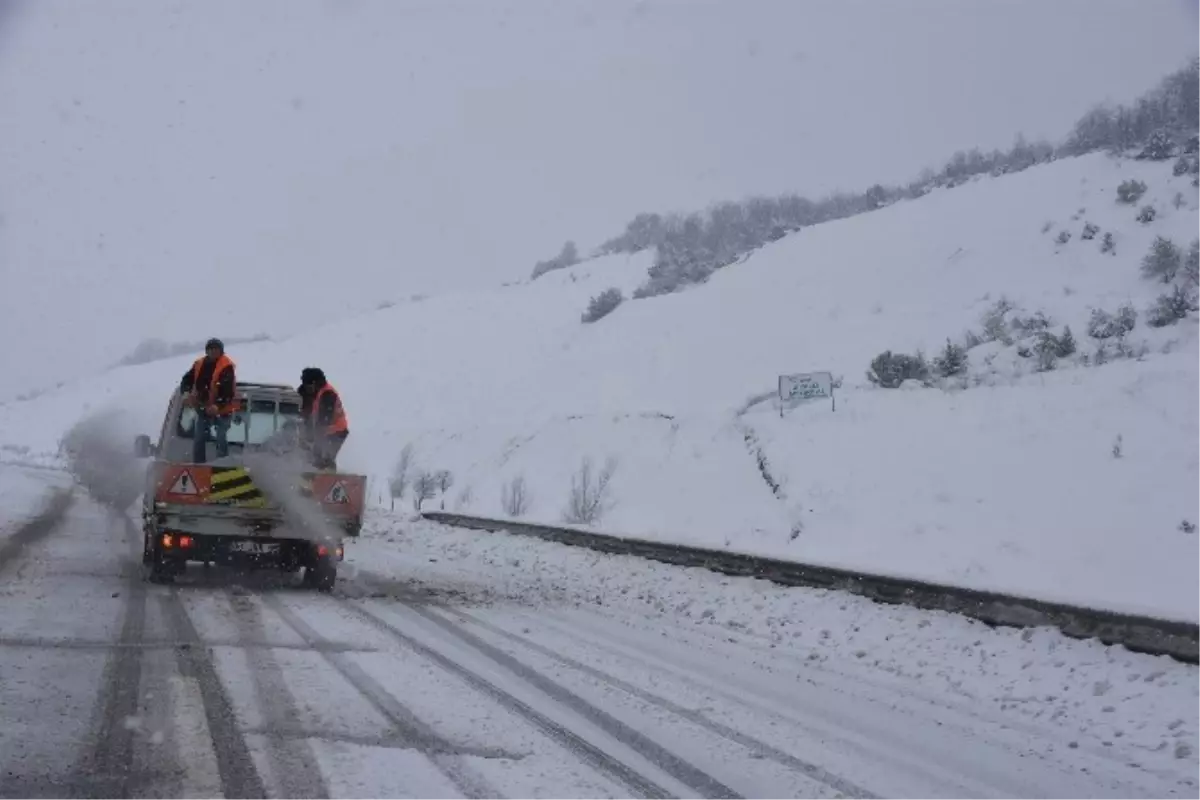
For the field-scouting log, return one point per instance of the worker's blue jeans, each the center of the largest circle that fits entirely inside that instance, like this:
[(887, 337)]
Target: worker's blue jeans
[(200, 436)]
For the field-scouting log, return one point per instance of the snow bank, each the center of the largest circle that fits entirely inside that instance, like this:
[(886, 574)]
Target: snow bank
[(1008, 484)]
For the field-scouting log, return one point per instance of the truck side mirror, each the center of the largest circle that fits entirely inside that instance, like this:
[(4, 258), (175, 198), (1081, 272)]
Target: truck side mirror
[(142, 448)]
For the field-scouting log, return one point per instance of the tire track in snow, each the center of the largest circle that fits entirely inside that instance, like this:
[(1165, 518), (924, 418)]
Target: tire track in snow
[(239, 777), (665, 760), (438, 750), (755, 448), (808, 769), (108, 770), (292, 759), (852, 733), (672, 764), (53, 510)]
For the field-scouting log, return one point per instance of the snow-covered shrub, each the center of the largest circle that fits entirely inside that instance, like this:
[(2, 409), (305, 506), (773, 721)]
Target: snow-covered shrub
[(971, 339), (1103, 325), (1146, 215), (1181, 166), (591, 494), (1159, 147), (1046, 348), (1032, 324), (1191, 263), (603, 304), (644, 231), (514, 497), (1063, 237), (1123, 349), (1046, 360), (567, 257), (1170, 308), (1047, 226), (951, 361), (1177, 201), (1187, 526), (1163, 261), (1130, 191), (1108, 245), (889, 369), (443, 479), (401, 475), (424, 488), (1089, 231), (1065, 344), (995, 322)]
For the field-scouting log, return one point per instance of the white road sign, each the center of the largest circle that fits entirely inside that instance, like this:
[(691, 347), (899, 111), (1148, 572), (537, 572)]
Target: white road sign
[(804, 386)]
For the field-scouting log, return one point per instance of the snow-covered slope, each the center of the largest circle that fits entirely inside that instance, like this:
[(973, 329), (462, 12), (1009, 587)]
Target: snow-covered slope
[(506, 127), (1010, 483)]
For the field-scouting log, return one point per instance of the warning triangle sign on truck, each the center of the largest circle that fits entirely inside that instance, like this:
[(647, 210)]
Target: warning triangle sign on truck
[(337, 494), (184, 484)]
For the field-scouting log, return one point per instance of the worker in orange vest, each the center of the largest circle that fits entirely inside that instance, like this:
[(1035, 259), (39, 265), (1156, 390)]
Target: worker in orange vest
[(325, 425), (210, 387)]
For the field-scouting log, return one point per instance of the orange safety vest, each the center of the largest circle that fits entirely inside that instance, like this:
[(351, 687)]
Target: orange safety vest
[(223, 363), (339, 423)]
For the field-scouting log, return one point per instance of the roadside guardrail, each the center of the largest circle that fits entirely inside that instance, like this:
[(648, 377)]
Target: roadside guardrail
[(1179, 640)]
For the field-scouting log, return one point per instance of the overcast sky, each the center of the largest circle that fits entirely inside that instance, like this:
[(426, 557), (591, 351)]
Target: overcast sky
[(191, 168)]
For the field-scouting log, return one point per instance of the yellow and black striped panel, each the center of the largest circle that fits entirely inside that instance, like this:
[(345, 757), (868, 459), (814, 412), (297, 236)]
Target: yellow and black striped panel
[(233, 486)]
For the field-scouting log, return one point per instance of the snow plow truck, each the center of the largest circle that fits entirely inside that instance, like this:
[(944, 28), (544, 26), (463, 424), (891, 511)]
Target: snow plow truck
[(260, 506)]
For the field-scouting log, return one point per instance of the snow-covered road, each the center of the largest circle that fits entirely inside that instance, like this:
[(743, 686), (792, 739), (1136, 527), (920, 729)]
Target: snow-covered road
[(454, 664), (23, 489)]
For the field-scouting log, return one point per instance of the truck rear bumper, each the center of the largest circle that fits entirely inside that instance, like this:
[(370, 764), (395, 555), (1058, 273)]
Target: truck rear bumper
[(244, 551), (244, 522)]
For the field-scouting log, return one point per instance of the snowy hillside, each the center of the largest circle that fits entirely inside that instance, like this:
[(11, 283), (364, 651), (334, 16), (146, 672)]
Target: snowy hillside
[(1069, 484), (505, 128)]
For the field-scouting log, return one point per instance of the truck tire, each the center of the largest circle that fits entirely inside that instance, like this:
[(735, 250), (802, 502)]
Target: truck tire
[(321, 575), (162, 571), (156, 569)]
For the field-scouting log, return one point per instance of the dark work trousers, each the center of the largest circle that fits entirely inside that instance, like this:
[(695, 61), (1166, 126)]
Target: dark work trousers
[(200, 436)]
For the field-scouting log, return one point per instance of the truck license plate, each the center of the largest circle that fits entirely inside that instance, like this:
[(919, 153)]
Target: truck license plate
[(254, 547)]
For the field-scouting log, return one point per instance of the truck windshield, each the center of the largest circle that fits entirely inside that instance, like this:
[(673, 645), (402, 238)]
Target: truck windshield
[(252, 426)]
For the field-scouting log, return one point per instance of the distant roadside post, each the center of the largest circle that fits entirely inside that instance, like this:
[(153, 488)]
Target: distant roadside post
[(805, 386)]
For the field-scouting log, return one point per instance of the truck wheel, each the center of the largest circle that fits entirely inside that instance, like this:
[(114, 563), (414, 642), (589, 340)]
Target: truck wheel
[(162, 571), (157, 569), (289, 562), (322, 574)]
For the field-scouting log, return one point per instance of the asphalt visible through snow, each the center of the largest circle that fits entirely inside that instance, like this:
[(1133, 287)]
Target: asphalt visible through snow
[(232, 684)]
